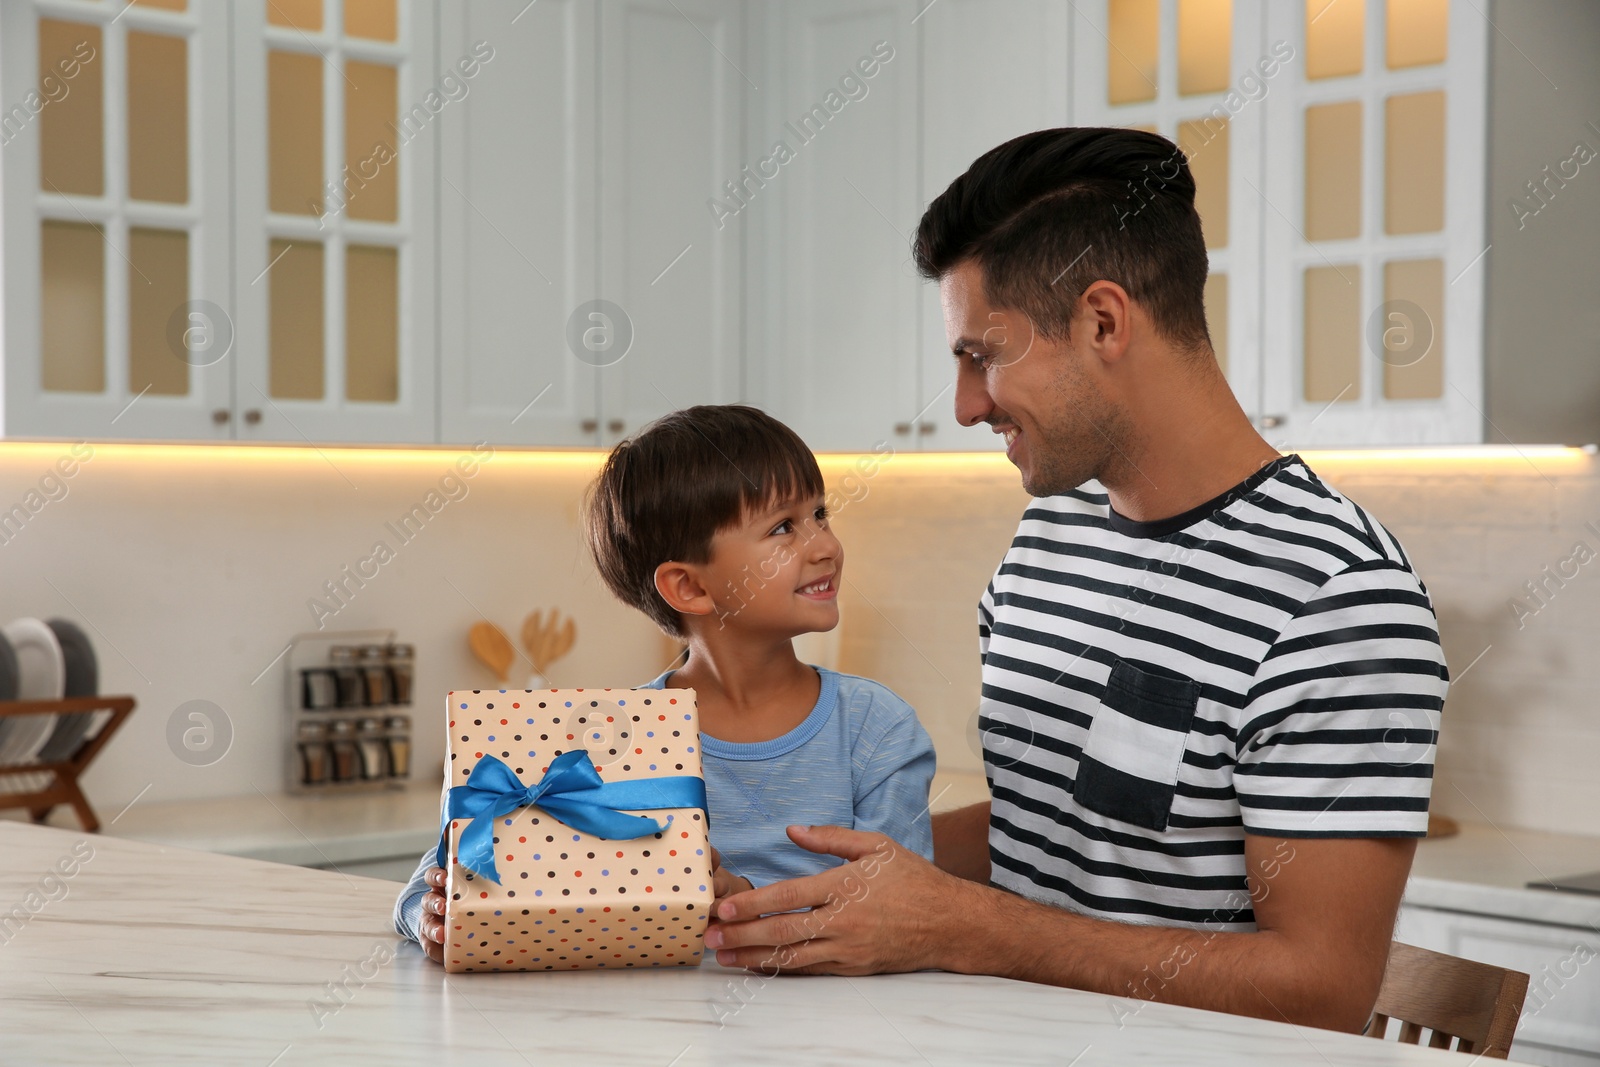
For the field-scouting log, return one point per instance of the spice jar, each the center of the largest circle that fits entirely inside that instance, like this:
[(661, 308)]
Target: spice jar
[(346, 756), (348, 676), (400, 660), (374, 753), (399, 746), (374, 677), (313, 748)]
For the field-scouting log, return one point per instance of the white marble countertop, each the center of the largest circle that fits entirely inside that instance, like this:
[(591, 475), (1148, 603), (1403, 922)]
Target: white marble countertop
[(154, 954)]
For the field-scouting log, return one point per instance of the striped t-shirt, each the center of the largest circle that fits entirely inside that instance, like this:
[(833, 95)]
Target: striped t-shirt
[(1265, 663)]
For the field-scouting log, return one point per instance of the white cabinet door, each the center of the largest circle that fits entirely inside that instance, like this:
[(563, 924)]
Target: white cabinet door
[(118, 255), (972, 101), (1560, 1024), (838, 135), (672, 98), (1372, 205), (517, 212), (336, 124), (1200, 83)]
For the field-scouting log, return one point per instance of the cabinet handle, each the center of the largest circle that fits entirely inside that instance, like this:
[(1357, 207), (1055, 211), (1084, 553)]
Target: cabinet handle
[(1271, 422), (589, 425), (616, 426), (902, 428), (252, 416), (927, 427), (221, 416)]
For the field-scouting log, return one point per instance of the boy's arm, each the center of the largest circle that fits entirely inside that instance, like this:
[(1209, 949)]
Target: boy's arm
[(892, 787), (408, 906)]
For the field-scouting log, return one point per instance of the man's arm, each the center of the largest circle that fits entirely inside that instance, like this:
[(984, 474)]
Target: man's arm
[(1324, 908), (961, 842)]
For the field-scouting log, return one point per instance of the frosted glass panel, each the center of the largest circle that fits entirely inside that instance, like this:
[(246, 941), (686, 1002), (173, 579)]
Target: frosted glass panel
[(1205, 45), (1333, 333), (294, 133), (158, 118), (1418, 32), (376, 20), (1133, 47), (1333, 171), (1413, 170), (158, 285), (1217, 316), (1205, 142), (298, 14), (1413, 330), (72, 126), (295, 315), (72, 308), (164, 5), (372, 318), (1334, 37), (372, 172)]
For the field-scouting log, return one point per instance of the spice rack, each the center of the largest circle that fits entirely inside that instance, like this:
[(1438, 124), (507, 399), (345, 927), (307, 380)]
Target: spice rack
[(349, 698)]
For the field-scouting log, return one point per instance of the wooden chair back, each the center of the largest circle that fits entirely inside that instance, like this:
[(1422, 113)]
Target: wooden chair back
[(1472, 1003)]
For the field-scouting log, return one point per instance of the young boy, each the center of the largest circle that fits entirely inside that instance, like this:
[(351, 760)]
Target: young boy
[(712, 522)]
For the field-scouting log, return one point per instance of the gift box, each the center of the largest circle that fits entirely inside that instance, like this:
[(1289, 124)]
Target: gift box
[(574, 830)]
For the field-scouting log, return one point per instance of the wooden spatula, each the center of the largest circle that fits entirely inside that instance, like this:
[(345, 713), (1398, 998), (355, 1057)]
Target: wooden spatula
[(547, 643), (492, 648)]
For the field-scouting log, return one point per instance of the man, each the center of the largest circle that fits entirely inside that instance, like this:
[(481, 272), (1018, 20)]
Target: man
[(1211, 685)]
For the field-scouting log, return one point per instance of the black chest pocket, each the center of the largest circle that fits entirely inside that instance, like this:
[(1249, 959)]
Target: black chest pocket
[(1129, 767)]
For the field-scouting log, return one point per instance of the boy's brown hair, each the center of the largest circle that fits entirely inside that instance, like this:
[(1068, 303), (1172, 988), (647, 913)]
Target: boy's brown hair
[(663, 493)]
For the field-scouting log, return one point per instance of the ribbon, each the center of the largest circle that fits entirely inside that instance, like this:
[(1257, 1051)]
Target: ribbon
[(572, 791)]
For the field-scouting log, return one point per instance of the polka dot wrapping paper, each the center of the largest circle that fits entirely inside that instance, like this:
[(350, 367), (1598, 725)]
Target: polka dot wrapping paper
[(568, 900)]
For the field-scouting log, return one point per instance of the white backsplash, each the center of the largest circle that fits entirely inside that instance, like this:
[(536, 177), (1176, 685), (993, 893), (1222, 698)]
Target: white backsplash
[(193, 568)]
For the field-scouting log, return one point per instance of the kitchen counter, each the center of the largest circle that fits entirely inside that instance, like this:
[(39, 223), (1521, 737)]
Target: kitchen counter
[(331, 830), (1484, 870), (154, 954)]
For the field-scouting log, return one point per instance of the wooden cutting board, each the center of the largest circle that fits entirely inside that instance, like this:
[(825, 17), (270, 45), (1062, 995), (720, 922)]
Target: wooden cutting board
[(1442, 826)]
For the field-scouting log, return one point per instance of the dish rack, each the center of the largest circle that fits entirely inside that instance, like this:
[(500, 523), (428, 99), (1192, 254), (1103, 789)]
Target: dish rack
[(40, 787)]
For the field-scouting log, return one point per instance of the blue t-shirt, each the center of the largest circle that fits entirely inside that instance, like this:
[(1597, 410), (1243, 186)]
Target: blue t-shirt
[(859, 759)]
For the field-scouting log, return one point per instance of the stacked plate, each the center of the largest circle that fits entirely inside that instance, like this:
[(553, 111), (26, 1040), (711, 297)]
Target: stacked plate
[(44, 661)]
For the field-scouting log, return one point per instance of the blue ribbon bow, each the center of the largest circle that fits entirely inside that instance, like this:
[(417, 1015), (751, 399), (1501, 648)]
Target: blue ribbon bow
[(572, 791)]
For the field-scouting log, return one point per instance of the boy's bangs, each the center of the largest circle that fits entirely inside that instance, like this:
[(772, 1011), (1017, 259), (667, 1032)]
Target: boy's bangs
[(776, 472)]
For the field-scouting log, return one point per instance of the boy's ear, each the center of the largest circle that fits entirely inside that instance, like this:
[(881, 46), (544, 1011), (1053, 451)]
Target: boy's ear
[(681, 587)]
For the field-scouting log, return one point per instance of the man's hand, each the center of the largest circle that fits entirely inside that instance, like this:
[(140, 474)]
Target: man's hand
[(885, 910), (432, 924)]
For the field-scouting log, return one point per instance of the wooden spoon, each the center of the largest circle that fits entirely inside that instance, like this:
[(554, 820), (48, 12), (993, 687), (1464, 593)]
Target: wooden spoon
[(492, 648)]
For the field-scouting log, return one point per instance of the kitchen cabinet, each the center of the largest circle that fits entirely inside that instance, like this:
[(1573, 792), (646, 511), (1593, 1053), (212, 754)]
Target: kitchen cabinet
[(1337, 157), (834, 349), (970, 104), (737, 183), (167, 281), (117, 252), (518, 214), (588, 288), (335, 198), (672, 103), (1560, 1024)]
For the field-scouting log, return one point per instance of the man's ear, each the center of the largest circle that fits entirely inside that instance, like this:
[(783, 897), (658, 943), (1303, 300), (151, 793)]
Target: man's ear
[(680, 585), (1109, 319)]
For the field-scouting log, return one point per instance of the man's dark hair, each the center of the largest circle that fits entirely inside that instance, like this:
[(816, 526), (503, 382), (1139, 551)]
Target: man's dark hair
[(1048, 213), (663, 493)]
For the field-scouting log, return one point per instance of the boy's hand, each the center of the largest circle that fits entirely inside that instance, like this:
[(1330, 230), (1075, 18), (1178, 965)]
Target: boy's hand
[(433, 915), (724, 882)]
